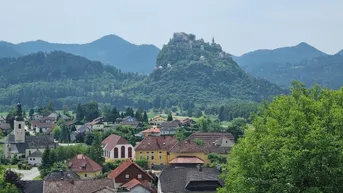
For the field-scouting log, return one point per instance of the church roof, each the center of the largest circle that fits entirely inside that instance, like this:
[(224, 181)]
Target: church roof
[(31, 142)]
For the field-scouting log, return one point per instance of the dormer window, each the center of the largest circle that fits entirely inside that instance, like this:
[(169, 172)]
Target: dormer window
[(139, 176), (127, 176)]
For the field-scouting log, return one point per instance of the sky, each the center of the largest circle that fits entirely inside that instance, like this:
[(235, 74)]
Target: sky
[(239, 26)]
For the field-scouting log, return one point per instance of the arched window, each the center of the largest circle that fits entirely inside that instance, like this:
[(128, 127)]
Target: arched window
[(122, 152), (130, 152), (19, 126), (115, 152)]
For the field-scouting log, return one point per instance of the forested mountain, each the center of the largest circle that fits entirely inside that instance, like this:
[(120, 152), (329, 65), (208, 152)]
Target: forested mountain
[(191, 72), (302, 63), (109, 49), (65, 78), (8, 51), (259, 58)]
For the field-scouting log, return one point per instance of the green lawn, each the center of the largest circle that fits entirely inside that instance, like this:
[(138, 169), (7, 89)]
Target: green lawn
[(11, 166), (37, 178), (3, 113)]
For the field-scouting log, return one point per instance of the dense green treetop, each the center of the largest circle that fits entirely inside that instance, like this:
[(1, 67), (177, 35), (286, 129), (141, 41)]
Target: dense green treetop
[(296, 146)]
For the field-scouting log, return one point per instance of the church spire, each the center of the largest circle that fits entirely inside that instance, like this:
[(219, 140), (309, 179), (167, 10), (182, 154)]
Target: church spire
[(19, 113)]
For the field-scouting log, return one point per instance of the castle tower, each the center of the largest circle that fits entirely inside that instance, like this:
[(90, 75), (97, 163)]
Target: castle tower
[(19, 126)]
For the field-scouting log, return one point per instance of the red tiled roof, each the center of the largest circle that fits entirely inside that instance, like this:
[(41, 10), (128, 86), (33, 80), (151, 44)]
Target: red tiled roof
[(82, 163), (131, 184), (152, 130), (186, 160), (113, 140), (156, 143), (122, 167)]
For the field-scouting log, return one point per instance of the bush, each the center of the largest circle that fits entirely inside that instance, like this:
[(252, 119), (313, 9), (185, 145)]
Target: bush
[(143, 163), (20, 165)]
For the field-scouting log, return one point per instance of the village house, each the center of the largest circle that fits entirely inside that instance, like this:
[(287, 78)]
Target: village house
[(129, 121), (17, 143), (157, 120), (195, 148), (154, 131), (2, 119), (85, 167), (43, 125), (130, 176), (79, 186), (187, 122), (169, 128), (155, 150), (35, 158), (116, 147)]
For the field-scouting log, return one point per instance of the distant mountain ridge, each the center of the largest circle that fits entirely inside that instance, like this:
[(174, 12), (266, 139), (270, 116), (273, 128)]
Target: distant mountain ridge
[(280, 55), (110, 49), (302, 62)]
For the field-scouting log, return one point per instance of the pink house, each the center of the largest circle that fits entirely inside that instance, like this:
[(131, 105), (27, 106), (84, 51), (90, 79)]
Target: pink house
[(116, 147)]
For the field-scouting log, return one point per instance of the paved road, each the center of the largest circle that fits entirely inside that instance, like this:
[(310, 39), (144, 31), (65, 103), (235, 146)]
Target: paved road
[(28, 174)]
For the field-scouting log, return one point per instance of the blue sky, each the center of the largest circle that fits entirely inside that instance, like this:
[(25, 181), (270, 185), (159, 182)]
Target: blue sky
[(239, 26)]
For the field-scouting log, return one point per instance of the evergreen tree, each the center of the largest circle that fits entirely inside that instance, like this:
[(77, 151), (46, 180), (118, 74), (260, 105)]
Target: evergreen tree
[(106, 113), (65, 133), (46, 163), (221, 114), (129, 112), (170, 117), (95, 151), (79, 113), (139, 114), (114, 114), (31, 112), (53, 157), (145, 118)]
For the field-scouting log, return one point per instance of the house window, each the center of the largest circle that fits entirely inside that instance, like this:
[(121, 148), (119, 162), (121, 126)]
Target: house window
[(33, 159), (130, 152), (226, 141), (160, 156), (85, 175), (152, 156), (122, 152), (29, 152), (147, 155), (115, 152), (19, 126), (30, 159), (139, 176), (140, 155), (127, 176)]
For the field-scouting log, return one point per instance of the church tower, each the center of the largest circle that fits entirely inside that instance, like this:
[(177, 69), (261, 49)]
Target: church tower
[(19, 126)]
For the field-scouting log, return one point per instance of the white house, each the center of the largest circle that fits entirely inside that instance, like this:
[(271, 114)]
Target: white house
[(35, 158), (116, 147)]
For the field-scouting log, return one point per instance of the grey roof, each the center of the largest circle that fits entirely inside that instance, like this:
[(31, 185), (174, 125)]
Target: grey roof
[(31, 142), (62, 175), (175, 180), (170, 124), (168, 129), (37, 153), (77, 186), (35, 186)]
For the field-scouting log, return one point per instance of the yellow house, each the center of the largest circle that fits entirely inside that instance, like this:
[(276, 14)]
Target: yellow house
[(85, 167), (157, 120), (155, 150)]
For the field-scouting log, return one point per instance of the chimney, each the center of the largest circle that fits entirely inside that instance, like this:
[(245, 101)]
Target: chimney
[(199, 167)]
